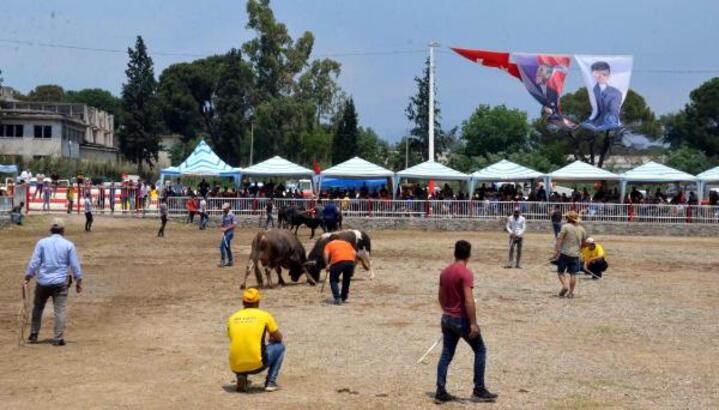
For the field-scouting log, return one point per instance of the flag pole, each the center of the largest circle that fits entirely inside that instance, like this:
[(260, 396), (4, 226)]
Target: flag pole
[(432, 45)]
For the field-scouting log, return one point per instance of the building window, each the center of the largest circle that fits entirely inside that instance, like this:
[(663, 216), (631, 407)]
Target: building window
[(11, 130), (43, 131)]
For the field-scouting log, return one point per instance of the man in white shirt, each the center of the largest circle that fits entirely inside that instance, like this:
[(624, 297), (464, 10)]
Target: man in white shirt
[(515, 227)]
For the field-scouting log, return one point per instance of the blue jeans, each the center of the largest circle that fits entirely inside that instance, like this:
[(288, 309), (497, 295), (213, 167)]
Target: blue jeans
[(556, 227), (225, 248), (454, 329), (203, 220), (274, 355)]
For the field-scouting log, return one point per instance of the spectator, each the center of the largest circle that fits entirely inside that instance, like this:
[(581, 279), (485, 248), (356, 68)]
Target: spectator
[(16, 215)]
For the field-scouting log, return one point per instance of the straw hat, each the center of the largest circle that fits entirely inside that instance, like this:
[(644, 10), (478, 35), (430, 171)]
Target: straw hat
[(573, 216)]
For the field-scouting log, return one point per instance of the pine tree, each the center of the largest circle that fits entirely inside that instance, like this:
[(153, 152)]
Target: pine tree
[(418, 113), (140, 132), (344, 145)]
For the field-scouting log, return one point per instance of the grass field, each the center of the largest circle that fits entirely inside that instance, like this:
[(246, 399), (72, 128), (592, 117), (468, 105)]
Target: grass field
[(149, 330)]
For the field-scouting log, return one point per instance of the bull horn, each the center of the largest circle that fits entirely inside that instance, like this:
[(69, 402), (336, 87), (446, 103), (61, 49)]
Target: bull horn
[(310, 263)]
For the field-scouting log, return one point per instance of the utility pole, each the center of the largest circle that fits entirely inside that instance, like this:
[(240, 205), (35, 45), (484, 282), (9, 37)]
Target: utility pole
[(432, 45), (252, 140)]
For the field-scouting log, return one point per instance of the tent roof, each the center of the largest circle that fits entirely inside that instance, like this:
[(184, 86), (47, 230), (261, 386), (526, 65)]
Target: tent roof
[(581, 171), (432, 170), (277, 166), (505, 171), (711, 175), (8, 169), (203, 161), (655, 172), (357, 168)]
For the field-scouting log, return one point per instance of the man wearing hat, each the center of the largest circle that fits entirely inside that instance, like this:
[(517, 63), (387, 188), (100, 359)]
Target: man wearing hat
[(50, 261), (567, 253), (228, 232), (594, 259), (249, 354), (515, 227)]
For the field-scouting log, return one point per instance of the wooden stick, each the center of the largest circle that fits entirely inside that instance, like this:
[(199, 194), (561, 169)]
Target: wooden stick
[(421, 359)]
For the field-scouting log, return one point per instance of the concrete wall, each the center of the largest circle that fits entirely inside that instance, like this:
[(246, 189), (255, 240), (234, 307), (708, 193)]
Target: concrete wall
[(98, 154), (593, 228), (28, 146)]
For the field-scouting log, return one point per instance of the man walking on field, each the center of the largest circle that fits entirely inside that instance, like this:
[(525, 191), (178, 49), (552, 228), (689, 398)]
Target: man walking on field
[(567, 253), (88, 212), (228, 232), (516, 225), (249, 354), (49, 262), (459, 321)]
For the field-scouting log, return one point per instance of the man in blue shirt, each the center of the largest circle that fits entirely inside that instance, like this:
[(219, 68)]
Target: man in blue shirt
[(50, 261), (228, 232), (330, 215)]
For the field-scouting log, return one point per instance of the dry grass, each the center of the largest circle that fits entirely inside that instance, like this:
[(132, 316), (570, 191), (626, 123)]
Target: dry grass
[(149, 330)]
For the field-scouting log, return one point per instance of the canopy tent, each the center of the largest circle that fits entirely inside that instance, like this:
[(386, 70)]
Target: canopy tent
[(503, 171), (203, 162), (356, 168), (277, 167), (653, 172), (8, 169), (578, 171), (431, 170), (705, 177)]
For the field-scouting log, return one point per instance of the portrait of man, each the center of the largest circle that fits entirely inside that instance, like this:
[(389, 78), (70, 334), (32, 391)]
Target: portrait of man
[(608, 99), (543, 92)]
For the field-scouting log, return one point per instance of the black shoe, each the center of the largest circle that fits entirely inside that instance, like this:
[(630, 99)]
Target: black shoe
[(345, 301), (483, 395), (338, 301), (58, 342), (230, 263), (33, 338), (443, 397)]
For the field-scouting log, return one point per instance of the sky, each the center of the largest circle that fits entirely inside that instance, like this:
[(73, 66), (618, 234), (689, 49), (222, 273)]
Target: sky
[(381, 44)]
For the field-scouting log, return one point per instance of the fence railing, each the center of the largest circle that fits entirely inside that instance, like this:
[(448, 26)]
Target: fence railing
[(380, 208)]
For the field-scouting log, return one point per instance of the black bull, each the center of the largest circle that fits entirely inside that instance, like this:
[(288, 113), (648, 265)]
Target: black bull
[(359, 240), (276, 249)]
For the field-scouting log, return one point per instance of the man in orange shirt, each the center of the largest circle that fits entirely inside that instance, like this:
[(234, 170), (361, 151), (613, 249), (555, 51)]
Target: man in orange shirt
[(340, 258)]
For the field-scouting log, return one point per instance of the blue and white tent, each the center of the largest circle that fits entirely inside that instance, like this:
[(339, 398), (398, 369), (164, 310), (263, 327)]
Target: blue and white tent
[(578, 171), (203, 162), (431, 170), (277, 167), (707, 177), (503, 171), (358, 169), (653, 172), (8, 169)]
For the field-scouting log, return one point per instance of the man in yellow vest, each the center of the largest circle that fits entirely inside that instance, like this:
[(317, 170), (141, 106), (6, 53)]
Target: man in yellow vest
[(249, 354), (594, 259)]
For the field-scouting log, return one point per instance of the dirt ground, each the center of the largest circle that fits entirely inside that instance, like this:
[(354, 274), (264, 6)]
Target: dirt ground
[(149, 329)]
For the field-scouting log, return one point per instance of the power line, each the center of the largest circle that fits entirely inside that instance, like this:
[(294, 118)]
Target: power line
[(94, 49)]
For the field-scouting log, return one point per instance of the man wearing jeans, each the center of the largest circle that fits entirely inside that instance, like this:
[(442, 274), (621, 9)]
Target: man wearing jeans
[(515, 228), (340, 258), (459, 321), (50, 261), (248, 352), (228, 232)]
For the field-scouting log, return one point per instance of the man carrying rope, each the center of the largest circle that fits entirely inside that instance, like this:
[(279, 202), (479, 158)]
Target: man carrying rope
[(228, 232), (567, 252), (50, 261)]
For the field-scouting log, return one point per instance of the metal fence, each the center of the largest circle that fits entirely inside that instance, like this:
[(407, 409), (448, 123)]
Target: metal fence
[(489, 210), (6, 204)]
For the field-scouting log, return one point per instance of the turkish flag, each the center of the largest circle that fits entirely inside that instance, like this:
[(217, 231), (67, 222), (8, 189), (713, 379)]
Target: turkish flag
[(430, 188), (490, 59), (316, 166)]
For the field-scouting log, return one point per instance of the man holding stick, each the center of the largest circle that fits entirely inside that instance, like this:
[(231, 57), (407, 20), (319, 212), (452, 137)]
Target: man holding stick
[(459, 321), (516, 225), (228, 232), (567, 252), (50, 261)]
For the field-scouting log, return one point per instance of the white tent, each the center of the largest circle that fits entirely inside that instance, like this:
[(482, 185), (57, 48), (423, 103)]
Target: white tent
[(431, 170), (705, 177), (277, 167), (578, 171), (653, 172), (503, 171), (356, 168)]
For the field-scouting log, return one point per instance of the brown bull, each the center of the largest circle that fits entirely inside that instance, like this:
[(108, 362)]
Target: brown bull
[(276, 249)]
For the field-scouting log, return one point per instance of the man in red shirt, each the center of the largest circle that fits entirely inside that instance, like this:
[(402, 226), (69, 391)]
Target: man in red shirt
[(460, 321)]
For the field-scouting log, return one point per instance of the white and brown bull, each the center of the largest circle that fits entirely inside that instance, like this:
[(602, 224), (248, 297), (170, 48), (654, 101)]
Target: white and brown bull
[(276, 249), (359, 240)]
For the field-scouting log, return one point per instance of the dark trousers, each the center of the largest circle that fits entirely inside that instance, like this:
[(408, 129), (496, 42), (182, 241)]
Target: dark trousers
[(269, 220), (346, 269), (331, 225), (58, 293), (454, 329), (514, 243), (88, 221), (597, 267), (69, 206), (191, 217), (163, 222)]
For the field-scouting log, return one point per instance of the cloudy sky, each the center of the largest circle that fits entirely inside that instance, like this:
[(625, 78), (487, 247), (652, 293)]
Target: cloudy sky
[(381, 44)]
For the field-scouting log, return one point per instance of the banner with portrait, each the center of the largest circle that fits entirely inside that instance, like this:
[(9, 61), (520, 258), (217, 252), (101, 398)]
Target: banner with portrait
[(607, 81), (543, 75)]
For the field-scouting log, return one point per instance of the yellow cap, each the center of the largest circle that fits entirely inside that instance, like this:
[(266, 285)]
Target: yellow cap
[(251, 295)]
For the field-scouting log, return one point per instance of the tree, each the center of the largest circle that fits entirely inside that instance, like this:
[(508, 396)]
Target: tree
[(697, 124), (493, 129), (318, 85), (417, 112), (592, 147), (688, 159), (139, 134), (372, 148), (344, 145), (47, 93)]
